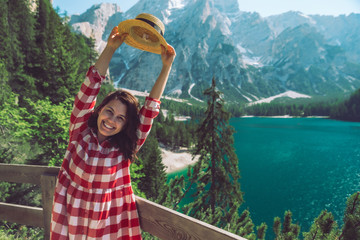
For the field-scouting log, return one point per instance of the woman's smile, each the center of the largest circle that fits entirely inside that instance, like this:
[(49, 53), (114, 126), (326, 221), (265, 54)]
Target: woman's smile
[(107, 126), (111, 119)]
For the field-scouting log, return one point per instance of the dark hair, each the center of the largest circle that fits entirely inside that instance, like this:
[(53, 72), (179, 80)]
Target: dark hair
[(126, 139)]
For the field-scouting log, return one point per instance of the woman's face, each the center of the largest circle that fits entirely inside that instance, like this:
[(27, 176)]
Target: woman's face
[(111, 119)]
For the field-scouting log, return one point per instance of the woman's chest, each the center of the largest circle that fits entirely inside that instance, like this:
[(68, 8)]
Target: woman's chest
[(93, 158)]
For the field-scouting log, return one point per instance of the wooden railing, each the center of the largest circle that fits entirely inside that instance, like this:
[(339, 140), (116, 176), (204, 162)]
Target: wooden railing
[(155, 219)]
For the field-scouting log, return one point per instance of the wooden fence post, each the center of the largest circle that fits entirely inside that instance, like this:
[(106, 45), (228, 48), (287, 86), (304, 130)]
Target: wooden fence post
[(48, 182)]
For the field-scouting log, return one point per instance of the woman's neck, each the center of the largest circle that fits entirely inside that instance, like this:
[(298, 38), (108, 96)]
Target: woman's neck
[(101, 138)]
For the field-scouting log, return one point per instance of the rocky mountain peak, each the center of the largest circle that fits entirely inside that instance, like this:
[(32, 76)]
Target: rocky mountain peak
[(97, 15), (291, 19), (92, 23), (251, 57)]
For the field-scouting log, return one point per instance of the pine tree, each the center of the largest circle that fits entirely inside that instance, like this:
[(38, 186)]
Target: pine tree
[(324, 227), (14, 7), (4, 84), (277, 227), (215, 177), (153, 183), (261, 231), (151, 178), (5, 40), (351, 229), (289, 230), (62, 57)]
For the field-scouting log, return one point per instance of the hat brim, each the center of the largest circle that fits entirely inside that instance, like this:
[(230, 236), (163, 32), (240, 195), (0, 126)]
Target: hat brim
[(150, 41)]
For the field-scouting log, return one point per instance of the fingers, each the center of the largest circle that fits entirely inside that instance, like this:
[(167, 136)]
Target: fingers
[(115, 33), (163, 49), (171, 49), (123, 36), (168, 50)]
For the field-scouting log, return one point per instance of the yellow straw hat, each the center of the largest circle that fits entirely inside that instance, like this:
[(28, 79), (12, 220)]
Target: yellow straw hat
[(146, 32)]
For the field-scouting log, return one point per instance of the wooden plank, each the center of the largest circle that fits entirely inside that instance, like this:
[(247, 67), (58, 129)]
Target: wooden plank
[(31, 216), (168, 224), (48, 183), (19, 173)]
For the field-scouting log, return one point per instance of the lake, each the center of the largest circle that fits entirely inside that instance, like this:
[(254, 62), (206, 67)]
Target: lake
[(300, 164)]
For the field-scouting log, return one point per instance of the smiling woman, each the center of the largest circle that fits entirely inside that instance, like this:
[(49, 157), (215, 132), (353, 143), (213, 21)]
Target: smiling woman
[(94, 197)]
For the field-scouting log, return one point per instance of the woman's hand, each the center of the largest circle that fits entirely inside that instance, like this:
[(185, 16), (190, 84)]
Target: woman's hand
[(114, 42), (167, 55), (115, 38)]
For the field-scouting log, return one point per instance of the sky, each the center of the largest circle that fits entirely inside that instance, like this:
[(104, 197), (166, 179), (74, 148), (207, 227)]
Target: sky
[(263, 7)]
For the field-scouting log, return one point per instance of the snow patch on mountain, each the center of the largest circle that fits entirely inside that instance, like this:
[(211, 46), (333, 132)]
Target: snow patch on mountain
[(177, 4), (290, 94), (191, 86)]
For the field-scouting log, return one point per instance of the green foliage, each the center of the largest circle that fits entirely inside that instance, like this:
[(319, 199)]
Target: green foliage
[(351, 229), (49, 124), (261, 231), (185, 108), (349, 109), (300, 110), (12, 119), (5, 39), (175, 193), (12, 231), (324, 227), (288, 231), (174, 134), (6, 156), (4, 83), (42, 124), (136, 173), (277, 226), (57, 70), (43, 57), (154, 177), (244, 225)]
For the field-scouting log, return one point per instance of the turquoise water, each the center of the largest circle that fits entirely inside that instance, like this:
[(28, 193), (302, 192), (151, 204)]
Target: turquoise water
[(300, 164)]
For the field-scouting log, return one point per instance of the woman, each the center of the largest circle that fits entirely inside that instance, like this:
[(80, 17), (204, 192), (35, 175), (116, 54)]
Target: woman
[(93, 197)]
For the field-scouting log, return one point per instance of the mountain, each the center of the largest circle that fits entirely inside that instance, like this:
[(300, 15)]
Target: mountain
[(92, 23), (251, 57)]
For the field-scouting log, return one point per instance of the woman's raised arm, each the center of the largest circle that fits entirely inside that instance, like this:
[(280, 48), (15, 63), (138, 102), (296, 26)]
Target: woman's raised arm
[(167, 57), (114, 42)]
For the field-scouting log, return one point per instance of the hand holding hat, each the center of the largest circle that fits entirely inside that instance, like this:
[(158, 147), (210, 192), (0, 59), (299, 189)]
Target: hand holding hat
[(115, 38), (145, 32), (167, 55)]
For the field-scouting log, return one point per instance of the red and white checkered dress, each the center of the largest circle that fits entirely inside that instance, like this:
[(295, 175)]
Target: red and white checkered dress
[(93, 196)]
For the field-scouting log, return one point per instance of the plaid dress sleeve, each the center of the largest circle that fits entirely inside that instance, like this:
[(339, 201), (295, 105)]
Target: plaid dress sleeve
[(85, 101), (148, 112)]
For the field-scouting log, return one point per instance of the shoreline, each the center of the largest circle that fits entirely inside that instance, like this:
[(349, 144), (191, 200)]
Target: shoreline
[(176, 160), (180, 159), (282, 116)]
